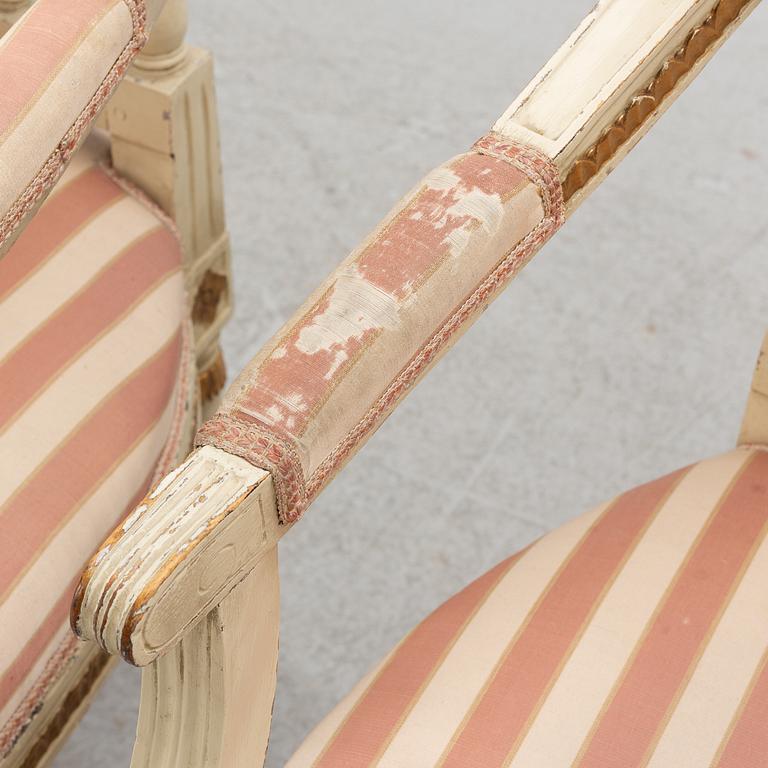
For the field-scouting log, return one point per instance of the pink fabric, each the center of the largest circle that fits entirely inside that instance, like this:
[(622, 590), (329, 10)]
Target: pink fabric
[(326, 381), (32, 59), (98, 271)]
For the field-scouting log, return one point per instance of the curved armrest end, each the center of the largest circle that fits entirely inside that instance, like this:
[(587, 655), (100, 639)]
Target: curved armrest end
[(184, 548)]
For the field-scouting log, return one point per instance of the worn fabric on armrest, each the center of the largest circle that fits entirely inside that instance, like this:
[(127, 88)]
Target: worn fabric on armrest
[(327, 380)]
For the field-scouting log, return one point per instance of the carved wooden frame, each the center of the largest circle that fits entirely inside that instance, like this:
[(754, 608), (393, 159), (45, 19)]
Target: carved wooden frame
[(607, 110), (187, 586)]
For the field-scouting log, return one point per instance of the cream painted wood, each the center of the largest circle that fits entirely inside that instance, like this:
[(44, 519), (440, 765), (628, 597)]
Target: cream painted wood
[(605, 68), (165, 138), (166, 47), (608, 59), (208, 702), (192, 540), (754, 428)]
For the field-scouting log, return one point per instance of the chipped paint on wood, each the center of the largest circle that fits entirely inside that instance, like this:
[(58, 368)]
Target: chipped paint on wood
[(157, 551)]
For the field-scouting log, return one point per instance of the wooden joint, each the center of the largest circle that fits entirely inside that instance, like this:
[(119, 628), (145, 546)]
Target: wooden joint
[(164, 138), (184, 548)]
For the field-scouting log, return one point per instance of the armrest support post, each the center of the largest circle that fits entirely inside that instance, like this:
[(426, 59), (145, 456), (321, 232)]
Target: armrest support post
[(165, 139), (208, 702), (187, 588)]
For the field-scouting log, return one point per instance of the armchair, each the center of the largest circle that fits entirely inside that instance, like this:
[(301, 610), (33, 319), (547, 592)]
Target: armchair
[(186, 586)]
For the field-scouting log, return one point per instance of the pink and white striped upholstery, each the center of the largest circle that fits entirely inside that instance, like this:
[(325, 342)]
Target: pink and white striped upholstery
[(326, 381), (93, 315), (58, 65), (636, 635)]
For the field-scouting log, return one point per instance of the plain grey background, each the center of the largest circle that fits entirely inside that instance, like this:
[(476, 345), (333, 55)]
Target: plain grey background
[(624, 351)]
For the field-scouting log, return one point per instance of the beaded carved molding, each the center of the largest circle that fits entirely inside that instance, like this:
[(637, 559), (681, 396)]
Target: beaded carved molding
[(643, 104)]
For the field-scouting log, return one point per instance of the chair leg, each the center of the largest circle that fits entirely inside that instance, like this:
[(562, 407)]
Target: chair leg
[(208, 702), (754, 427)]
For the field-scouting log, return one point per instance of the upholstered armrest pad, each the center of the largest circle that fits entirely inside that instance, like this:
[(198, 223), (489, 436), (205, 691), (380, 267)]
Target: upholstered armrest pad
[(58, 65), (324, 383)]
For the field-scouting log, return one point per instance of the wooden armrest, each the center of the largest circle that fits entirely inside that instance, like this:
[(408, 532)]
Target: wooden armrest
[(327, 380), (195, 537), (205, 538), (290, 413), (187, 587), (59, 64)]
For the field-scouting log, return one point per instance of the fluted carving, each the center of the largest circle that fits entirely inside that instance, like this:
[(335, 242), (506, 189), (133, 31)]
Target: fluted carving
[(725, 13)]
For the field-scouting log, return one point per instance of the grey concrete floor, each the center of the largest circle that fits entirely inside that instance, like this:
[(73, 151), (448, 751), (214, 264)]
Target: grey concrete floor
[(625, 350)]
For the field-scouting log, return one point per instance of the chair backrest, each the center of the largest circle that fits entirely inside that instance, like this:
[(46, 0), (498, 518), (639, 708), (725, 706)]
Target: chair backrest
[(162, 125), (42, 118)]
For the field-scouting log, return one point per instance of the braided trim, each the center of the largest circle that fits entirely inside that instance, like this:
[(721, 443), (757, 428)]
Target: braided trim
[(535, 164), (31, 704), (54, 166), (263, 448)]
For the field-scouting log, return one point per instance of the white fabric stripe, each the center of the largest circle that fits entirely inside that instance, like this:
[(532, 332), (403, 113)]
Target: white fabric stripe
[(50, 418), (471, 661), (66, 554), (77, 263), (724, 672), (315, 743), (28, 146), (605, 647), (37, 669)]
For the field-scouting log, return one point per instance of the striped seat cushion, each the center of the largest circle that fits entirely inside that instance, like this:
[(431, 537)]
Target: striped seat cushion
[(636, 635), (93, 341)]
